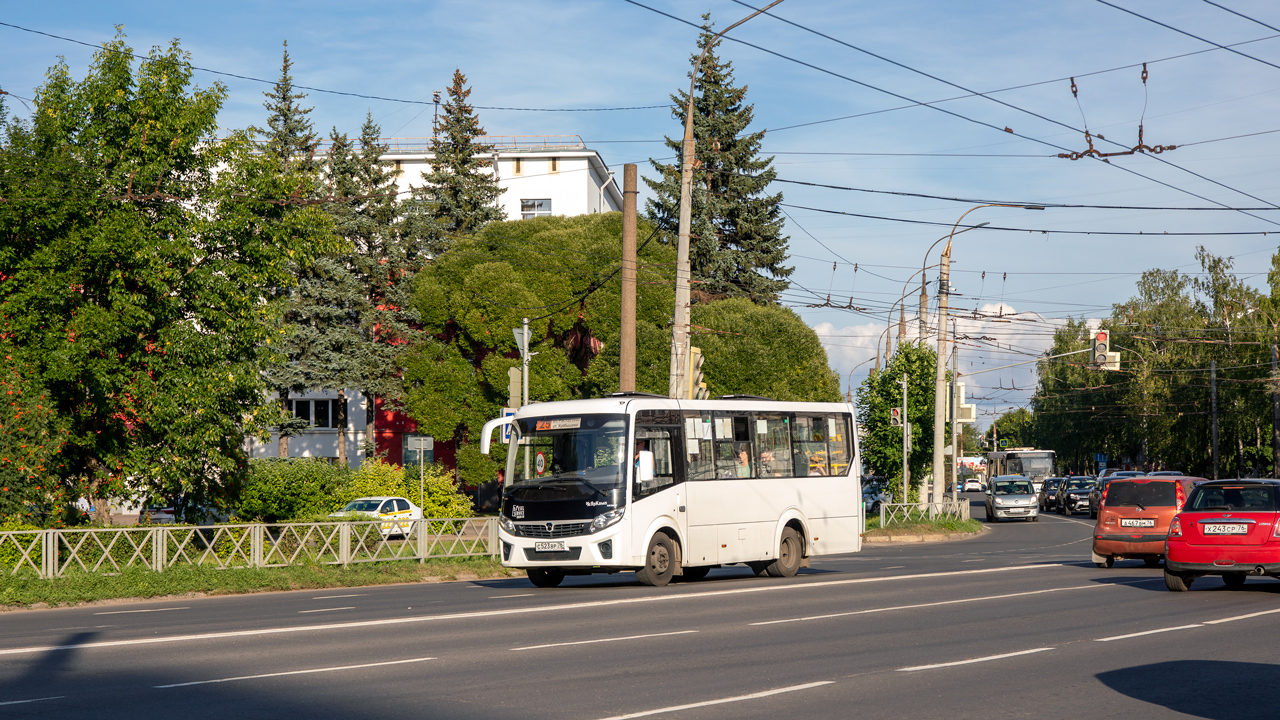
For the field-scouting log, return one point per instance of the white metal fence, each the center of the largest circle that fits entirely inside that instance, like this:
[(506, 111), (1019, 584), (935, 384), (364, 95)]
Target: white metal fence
[(54, 553), (906, 513)]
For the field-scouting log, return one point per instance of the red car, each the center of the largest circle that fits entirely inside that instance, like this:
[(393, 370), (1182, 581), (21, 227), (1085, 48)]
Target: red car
[(1134, 515), (1229, 528)]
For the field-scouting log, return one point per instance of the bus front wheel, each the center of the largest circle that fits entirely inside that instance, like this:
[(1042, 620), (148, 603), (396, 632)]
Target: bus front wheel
[(659, 562), (545, 577), (790, 548)]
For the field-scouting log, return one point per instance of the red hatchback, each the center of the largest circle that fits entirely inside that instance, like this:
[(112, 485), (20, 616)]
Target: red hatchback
[(1228, 528)]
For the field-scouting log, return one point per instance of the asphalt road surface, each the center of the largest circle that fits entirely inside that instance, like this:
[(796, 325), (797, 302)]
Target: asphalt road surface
[(1014, 623)]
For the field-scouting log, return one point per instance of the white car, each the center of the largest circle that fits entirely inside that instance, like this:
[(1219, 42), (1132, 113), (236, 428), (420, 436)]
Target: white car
[(397, 512), (973, 485)]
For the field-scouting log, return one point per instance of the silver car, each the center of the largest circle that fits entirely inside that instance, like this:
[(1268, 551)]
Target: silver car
[(1012, 496)]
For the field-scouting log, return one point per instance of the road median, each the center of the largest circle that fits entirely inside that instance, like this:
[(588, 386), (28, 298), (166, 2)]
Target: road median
[(940, 531)]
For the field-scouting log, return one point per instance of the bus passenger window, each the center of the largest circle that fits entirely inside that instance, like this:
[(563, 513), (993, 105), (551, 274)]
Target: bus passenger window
[(809, 438), (733, 446), (839, 443), (698, 443), (773, 441), (661, 442)]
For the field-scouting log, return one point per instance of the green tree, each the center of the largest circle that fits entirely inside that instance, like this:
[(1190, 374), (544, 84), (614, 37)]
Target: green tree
[(139, 254), (736, 246), (30, 439), (762, 350), (291, 139), (459, 195), (878, 394), (1015, 426)]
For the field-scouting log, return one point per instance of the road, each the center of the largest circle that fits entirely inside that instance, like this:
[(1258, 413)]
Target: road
[(1013, 623)]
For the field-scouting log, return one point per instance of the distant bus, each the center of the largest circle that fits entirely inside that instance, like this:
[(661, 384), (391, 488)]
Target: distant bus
[(676, 487), (1034, 464)]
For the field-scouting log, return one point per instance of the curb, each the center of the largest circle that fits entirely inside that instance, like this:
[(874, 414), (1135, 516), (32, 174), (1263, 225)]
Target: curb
[(917, 538)]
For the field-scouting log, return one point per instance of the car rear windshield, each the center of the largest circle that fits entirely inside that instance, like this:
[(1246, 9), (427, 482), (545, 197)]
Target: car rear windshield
[(1250, 498), (1157, 493)]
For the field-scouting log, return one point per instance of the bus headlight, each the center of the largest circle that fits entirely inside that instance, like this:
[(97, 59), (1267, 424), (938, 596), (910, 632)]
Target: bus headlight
[(603, 521), (505, 523)]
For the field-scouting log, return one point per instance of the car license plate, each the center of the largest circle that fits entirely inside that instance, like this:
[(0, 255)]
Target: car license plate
[(549, 546), (1226, 529), (1137, 522)]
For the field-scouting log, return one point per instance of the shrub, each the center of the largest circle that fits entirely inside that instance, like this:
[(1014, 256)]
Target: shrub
[(375, 477), (10, 550), (289, 489), (440, 497)]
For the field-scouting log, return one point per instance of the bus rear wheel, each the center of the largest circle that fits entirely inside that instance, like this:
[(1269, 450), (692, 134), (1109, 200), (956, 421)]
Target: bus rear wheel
[(545, 577), (790, 548), (660, 562)]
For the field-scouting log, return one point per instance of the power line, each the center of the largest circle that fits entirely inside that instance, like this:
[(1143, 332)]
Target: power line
[(325, 90)]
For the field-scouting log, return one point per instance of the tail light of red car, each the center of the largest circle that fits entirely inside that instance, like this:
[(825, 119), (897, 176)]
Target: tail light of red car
[(1175, 527), (1275, 532), (1103, 499), (1180, 495)]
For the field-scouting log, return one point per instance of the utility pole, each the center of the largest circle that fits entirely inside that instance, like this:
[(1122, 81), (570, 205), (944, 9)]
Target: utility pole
[(678, 384), (1213, 409), (924, 308), (1275, 419), (955, 414), (940, 380), (627, 334), (906, 441)]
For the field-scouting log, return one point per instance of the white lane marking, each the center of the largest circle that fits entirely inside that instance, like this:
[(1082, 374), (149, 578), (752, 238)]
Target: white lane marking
[(721, 701), (126, 612), (22, 702), (1240, 617), (1078, 522), (974, 660), (1147, 632), (503, 597), (303, 612), (894, 567), (293, 672), (604, 640), (817, 584), (924, 605), (335, 597), (978, 560)]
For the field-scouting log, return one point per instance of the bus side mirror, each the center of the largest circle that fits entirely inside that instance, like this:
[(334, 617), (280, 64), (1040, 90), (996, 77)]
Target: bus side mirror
[(644, 467)]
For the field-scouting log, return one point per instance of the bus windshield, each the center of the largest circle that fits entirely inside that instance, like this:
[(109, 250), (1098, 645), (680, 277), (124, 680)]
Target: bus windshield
[(583, 454), (1033, 466)]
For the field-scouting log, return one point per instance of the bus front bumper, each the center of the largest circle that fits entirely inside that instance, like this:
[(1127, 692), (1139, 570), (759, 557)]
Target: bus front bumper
[(600, 549)]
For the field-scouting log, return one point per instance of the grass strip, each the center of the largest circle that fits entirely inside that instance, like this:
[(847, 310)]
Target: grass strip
[(943, 526), (25, 590)]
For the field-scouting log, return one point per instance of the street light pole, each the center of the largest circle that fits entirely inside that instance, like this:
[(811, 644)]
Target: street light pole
[(677, 385), (940, 379)]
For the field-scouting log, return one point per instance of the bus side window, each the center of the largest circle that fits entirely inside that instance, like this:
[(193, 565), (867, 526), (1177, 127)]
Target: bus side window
[(734, 456), (658, 432), (839, 443), (809, 443), (773, 442), (698, 443)]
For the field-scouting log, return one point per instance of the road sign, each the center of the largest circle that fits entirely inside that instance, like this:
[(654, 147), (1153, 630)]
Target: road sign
[(506, 429), (1004, 442)]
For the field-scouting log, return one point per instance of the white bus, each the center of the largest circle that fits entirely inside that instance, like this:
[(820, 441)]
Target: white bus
[(665, 488)]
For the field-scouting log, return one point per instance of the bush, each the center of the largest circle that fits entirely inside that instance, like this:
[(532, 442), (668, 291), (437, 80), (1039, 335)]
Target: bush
[(290, 489), (440, 497), (11, 553), (375, 477)]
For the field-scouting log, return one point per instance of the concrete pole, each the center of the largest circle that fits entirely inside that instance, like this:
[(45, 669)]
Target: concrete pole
[(940, 379), (1275, 419), (906, 441), (924, 308), (524, 381), (1213, 405), (955, 414), (627, 334), (677, 385)]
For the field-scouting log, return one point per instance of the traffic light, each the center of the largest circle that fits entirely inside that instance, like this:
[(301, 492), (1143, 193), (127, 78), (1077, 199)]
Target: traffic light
[(895, 417), (513, 387), (1113, 361), (1101, 346), (697, 383)]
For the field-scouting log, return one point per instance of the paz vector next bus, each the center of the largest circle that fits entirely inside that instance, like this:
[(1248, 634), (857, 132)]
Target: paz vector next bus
[(665, 488)]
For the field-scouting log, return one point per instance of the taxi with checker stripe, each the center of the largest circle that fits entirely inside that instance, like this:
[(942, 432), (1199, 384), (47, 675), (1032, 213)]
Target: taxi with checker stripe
[(396, 512)]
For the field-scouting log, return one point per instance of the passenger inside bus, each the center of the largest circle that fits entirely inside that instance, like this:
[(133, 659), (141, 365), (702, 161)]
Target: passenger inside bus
[(744, 460)]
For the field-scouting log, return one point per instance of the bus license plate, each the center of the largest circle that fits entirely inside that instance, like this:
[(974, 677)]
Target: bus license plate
[(1137, 522), (549, 546), (1226, 529)]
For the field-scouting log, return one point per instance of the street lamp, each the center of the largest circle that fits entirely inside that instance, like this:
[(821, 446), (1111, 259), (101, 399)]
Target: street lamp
[(940, 380), (680, 327)]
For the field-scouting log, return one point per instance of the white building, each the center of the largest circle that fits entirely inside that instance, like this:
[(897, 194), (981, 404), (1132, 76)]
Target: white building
[(540, 175)]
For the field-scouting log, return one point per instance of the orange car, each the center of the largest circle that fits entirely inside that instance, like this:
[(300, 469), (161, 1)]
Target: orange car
[(1134, 515)]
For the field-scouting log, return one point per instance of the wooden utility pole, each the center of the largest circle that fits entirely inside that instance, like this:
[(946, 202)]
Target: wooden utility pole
[(1275, 419), (627, 335)]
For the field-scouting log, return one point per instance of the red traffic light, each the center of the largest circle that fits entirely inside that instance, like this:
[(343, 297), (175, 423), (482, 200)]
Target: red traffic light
[(1101, 336)]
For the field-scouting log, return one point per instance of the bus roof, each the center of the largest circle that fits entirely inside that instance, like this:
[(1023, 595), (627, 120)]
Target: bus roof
[(627, 404)]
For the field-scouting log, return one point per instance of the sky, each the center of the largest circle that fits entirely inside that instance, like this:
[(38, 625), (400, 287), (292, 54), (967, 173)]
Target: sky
[(916, 111)]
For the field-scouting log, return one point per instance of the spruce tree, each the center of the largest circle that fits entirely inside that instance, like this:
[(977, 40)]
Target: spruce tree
[(291, 139), (736, 245), (460, 191)]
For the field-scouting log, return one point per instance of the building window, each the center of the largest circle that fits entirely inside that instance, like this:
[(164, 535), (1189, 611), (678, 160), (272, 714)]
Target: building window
[(553, 165), (517, 167), (320, 413), (399, 168), (534, 208)]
